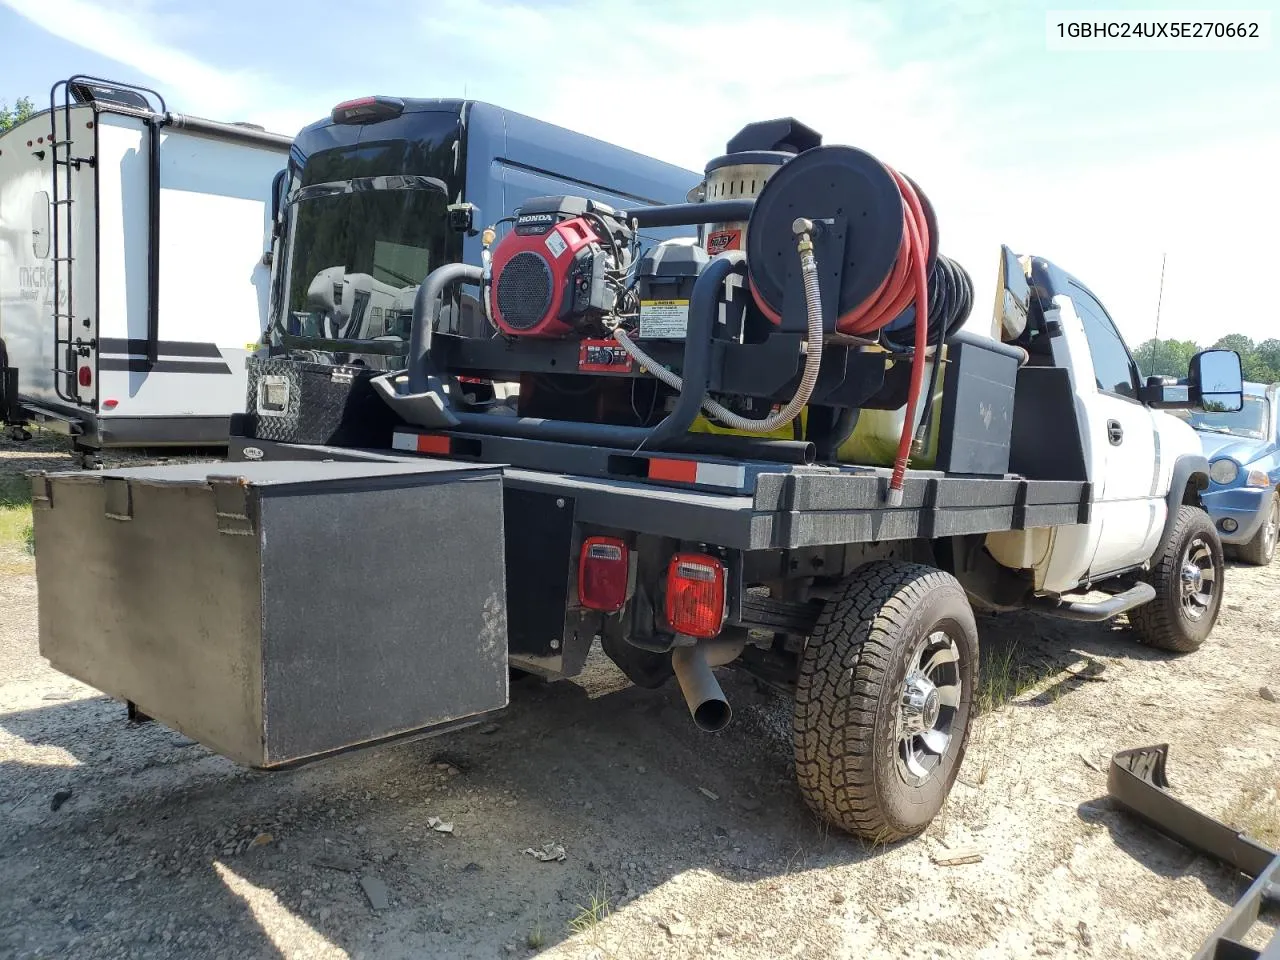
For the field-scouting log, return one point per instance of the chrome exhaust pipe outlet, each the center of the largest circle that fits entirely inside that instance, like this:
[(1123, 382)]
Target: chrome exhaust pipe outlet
[(692, 665)]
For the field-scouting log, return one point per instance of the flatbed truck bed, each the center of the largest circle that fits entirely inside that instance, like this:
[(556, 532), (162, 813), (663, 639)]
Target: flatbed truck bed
[(774, 506)]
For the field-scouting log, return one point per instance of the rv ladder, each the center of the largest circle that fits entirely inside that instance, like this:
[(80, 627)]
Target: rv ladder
[(66, 346), (67, 343)]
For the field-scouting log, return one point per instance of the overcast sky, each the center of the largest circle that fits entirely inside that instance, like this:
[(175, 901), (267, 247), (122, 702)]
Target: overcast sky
[(1101, 161)]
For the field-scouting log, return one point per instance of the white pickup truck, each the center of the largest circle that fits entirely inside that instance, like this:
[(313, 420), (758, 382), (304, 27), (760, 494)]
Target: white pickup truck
[(886, 679), (1146, 467), (675, 562)]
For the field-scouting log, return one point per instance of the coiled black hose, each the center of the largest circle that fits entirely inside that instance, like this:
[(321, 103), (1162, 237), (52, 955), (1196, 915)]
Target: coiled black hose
[(950, 302)]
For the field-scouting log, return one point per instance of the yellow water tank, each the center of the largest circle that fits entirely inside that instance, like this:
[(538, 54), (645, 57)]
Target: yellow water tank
[(874, 441)]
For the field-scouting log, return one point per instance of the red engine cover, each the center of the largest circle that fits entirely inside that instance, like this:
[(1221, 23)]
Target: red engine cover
[(533, 274)]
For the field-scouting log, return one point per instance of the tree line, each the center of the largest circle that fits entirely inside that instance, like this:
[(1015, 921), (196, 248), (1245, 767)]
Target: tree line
[(1169, 358), (21, 110)]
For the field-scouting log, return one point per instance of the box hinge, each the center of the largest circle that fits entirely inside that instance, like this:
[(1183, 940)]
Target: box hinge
[(41, 492), (231, 503), (117, 498)]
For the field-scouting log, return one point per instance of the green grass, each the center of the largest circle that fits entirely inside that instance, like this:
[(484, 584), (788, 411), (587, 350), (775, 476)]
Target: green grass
[(1003, 679), (15, 515), (587, 923), (536, 939), (1256, 812)]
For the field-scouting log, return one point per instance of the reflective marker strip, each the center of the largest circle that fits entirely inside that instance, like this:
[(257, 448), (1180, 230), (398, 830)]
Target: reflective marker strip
[(419, 443), (679, 471), (722, 475), (727, 475)]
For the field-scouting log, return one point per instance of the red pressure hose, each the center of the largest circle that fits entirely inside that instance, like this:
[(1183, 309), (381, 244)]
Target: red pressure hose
[(908, 281)]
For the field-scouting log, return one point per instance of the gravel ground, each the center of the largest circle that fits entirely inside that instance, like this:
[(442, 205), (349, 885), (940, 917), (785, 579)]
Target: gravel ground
[(130, 840)]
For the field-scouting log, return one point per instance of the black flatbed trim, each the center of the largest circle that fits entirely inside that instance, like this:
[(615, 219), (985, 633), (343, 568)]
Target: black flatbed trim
[(852, 507)]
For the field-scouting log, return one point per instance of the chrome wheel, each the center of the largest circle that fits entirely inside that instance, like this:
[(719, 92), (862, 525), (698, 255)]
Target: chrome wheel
[(927, 707), (1270, 528), (1199, 579)]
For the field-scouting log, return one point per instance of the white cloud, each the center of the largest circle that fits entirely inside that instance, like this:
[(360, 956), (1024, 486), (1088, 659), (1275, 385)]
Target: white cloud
[(130, 33), (675, 80), (1212, 208), (124, 35)]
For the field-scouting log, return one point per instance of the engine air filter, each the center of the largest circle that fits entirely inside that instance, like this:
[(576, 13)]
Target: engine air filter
[(524, 290)]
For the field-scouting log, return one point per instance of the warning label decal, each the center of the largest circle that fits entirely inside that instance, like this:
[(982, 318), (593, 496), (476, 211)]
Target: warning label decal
[(664, 318), (555, 243)]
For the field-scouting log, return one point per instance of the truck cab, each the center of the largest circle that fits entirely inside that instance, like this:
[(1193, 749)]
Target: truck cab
[(1141, 461)]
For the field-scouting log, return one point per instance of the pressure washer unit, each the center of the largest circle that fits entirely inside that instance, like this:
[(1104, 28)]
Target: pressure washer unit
[(808, 316)]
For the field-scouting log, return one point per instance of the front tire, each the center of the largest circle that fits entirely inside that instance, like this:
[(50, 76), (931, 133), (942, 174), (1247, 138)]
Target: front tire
[(1262, 548), (884, 700), (1187, 574)]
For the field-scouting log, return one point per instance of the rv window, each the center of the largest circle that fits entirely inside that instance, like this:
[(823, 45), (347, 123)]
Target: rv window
[(40, 225)]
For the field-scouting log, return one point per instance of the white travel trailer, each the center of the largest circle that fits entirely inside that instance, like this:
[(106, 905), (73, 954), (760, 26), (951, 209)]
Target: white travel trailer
[(134, 266)]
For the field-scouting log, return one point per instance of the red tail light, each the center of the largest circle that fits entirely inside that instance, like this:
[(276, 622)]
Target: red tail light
[(603, 570), (367, 110), (85, 376), (695, 595)]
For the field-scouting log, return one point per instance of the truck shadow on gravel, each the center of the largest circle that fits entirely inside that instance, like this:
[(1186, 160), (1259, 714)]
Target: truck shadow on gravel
[(1034, 662), (163, 845), (439, 847), (1026, 652)]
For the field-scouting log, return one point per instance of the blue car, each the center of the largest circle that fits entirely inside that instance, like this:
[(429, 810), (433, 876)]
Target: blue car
[(1244, 468)]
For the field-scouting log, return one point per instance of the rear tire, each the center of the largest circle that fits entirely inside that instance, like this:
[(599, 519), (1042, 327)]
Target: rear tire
[(1262, 548), (876, 754), (1187, 574)]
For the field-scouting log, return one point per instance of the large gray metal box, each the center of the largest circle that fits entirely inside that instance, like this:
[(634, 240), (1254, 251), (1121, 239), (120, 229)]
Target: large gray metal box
[(278, 611)]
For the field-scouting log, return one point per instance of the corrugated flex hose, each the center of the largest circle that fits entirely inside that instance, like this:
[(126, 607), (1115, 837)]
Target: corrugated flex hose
[(904, 285), (812, 362)]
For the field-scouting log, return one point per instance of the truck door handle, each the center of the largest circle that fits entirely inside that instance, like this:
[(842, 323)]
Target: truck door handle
[(1115, 432)]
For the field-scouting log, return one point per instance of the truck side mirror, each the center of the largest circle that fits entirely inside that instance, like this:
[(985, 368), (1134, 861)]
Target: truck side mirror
[(277, 188), (1216, 380)]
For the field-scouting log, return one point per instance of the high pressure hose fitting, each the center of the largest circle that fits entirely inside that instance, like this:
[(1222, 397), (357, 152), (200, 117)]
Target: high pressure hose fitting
[(486, 270), (803, 230)]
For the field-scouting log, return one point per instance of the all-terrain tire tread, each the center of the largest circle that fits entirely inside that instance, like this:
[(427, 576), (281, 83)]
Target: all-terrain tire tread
[(1158, 623), (838, 690)]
